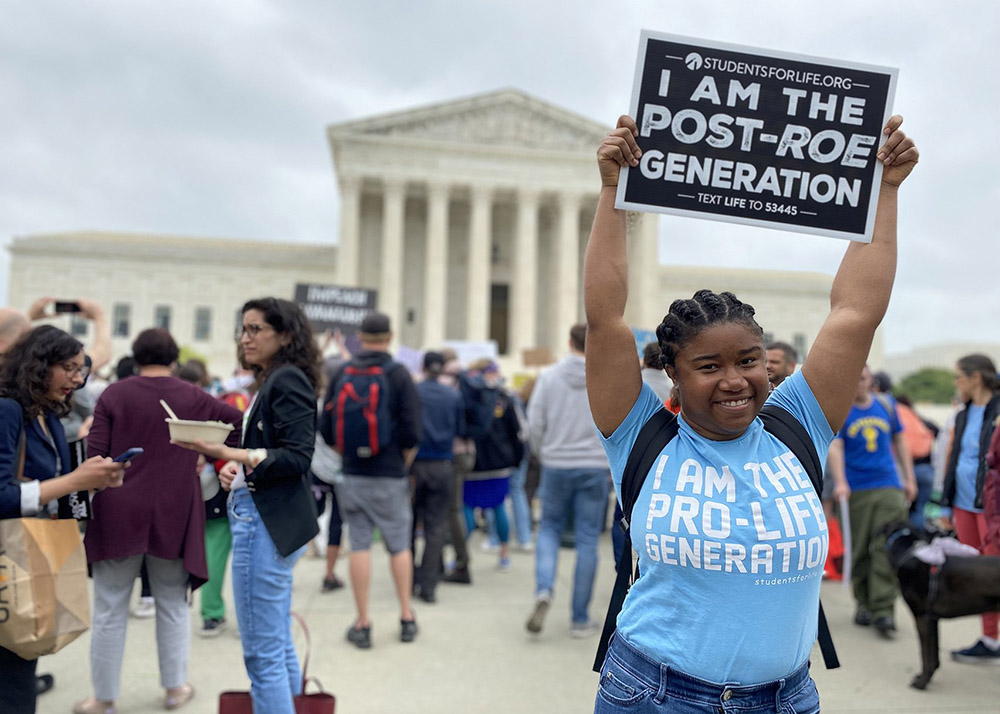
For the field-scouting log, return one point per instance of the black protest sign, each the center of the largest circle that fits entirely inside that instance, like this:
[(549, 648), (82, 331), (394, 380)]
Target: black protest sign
[(331, 307), (745, 135)]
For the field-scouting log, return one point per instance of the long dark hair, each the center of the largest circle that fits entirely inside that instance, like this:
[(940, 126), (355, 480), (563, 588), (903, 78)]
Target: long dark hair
[(24, 371), (983, 365), (301, 351)]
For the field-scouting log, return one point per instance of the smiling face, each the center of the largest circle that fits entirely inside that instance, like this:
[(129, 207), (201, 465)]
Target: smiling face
[(260, 341), (66, 377), (722, 376)]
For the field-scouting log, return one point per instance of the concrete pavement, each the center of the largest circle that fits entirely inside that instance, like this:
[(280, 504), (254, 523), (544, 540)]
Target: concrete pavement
[(473, 654)]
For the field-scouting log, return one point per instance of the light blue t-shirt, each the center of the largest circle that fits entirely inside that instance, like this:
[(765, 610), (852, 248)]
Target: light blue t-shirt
[(731, 540), (967, 469)]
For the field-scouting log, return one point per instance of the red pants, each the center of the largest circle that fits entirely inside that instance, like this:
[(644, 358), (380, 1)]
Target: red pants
[(971, 528)]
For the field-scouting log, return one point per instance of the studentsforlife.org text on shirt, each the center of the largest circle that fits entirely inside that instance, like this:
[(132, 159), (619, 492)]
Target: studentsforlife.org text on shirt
[(732, 541)]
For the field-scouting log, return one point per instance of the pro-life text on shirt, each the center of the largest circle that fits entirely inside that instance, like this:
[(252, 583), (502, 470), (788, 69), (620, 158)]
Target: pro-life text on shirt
[(695, 532)]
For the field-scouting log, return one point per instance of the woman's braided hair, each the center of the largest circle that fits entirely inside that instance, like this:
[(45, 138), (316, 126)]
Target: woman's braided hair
[(687, 318)]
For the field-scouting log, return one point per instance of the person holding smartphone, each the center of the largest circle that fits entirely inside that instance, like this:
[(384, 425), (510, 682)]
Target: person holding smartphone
[(38, 377), (158, 515)]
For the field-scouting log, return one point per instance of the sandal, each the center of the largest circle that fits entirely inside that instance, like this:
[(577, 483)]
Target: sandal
[(91, 705), (180, 697)]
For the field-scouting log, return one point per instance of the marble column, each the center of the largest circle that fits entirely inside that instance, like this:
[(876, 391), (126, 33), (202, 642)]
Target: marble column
[(524, 282), (349, 249), (644, 308), (566, 285), (477, 301), (436, 266), (390, 297)]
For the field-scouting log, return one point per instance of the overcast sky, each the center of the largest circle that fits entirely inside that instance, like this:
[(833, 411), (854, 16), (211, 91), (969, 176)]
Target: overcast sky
[(207, 118)]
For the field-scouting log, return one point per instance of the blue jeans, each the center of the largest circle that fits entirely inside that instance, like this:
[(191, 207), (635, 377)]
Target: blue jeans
[(586, 491), (496, 519), (519, 504), (262, 590), (632, 682), (924, 474)]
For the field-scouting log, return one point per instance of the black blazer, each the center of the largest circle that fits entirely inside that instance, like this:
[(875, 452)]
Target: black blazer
[(283, 421)]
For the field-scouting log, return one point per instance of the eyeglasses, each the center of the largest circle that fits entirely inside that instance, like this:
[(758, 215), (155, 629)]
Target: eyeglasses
[(252, 330), (72, 369)]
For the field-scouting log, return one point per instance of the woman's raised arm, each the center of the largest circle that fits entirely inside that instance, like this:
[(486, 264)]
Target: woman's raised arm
[(613, 377), (861, 290)]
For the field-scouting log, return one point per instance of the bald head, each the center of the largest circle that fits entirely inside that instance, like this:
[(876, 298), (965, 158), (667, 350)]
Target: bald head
[(13, 324)]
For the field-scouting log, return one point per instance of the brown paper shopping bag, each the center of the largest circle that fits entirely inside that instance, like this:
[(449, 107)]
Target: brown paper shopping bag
[(44, 598)]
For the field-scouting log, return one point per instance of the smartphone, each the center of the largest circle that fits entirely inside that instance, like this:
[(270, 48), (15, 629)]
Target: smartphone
[(62, 306), (127, 456)]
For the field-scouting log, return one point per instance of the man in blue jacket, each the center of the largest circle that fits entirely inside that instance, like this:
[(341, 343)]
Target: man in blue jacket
[(443, 417)]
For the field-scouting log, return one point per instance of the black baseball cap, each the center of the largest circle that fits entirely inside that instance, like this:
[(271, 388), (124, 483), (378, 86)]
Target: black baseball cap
[(375, 323), (433, 361)]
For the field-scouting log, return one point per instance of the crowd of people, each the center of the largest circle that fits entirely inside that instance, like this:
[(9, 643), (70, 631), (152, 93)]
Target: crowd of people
[(419, 462)]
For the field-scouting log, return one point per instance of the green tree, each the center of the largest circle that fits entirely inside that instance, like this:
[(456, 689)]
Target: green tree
[(188, 352), (929, 384)]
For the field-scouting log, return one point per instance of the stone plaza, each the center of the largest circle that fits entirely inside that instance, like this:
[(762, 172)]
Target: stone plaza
[(474, 656)]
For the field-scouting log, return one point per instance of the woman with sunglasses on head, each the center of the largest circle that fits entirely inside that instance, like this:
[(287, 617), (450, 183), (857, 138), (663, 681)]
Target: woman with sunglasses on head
[(38, 376), (728, 529), (272, 512)]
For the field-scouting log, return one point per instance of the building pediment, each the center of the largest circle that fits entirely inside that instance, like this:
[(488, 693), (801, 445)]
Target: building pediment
[(508, 118)]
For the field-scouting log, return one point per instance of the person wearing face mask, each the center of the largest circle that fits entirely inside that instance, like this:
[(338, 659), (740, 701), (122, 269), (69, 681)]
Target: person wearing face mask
[(730, 532), (499, 451), (38, 376)]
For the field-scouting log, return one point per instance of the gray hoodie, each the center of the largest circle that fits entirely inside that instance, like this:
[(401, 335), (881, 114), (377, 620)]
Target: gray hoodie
[(559, 421)]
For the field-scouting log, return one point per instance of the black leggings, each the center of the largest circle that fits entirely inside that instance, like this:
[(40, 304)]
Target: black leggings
[(321, 490), (17, 683)]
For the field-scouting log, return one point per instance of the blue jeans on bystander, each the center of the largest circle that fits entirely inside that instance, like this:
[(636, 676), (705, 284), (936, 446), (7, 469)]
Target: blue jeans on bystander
[(262, 590), (586, 491)]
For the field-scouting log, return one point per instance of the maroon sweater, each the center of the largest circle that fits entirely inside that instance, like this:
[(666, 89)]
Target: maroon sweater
[(159, 510)]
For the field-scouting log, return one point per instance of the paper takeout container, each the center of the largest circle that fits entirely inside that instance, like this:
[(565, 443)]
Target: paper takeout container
[(208, 431)]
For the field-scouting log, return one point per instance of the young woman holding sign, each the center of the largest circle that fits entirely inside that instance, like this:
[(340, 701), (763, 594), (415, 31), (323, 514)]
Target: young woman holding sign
[(730, 535)]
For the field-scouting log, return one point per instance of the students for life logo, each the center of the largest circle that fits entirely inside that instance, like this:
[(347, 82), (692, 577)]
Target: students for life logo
[(693, 61)]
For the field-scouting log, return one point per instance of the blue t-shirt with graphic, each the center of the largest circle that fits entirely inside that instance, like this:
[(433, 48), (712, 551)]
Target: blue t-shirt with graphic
[(967, 469), (867, 435), (731, 540)]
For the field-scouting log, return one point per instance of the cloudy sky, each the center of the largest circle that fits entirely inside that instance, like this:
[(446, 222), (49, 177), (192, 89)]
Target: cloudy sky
[(207, 117)]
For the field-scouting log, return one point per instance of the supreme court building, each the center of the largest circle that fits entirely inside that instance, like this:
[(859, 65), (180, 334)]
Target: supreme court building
[(470, 218)]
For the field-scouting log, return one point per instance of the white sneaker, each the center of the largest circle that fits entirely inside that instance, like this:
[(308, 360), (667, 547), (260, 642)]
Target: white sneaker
[(579, 630), (528, 547), (488, 547), (537, 619), (145, 608)]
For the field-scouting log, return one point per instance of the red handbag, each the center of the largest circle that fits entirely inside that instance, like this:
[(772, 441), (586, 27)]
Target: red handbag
[(319, 703)]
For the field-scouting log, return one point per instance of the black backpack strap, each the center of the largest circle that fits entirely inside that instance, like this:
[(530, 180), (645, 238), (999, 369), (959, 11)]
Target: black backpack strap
[(654, 435), (789, 431)]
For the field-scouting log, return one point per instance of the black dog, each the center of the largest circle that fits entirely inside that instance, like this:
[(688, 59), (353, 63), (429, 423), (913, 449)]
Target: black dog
[(960, 587)]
